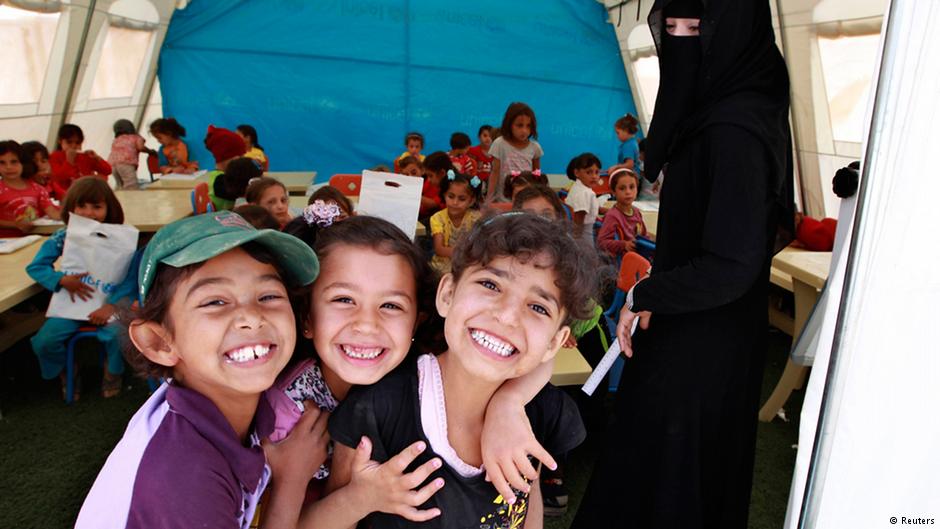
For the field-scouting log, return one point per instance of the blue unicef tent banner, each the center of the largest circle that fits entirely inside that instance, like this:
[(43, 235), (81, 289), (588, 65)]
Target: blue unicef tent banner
[(334, 85)]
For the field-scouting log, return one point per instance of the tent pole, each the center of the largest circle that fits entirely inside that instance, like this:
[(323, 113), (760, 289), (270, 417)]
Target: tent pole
[(794, 130), (810, 504), (67, 107)]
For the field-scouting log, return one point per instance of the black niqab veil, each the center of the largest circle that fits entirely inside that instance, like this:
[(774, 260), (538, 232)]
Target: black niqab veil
[(736, 76)]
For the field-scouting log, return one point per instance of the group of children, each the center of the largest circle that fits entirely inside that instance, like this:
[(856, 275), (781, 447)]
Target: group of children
[(391, 408), (213, 304)]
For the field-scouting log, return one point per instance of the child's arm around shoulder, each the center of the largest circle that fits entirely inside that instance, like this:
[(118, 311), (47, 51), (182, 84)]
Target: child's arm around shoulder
[(507, 439)]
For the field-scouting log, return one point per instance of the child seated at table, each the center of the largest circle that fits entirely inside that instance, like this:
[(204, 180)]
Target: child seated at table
[(459, 156), (91, 198), (174, 153), (541, 200), (69, 162), (481, 153), (271, 194), (623, 222), (22, 201), (216, 320), (254, 150), (517, 281), (436, 166), (39, 171), (462, 195), (414, 142), (518, 180)]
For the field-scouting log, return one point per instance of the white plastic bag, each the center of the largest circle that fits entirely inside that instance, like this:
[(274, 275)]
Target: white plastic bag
[(105, 252), (393, 197)]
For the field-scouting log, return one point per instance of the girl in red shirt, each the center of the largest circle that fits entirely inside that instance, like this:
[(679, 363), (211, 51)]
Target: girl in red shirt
[(69, 163)]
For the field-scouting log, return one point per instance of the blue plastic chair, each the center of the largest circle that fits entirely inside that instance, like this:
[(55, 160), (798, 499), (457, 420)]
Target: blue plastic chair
[(83, 332)]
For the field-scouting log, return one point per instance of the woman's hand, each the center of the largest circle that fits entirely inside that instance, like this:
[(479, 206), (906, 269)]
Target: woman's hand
[(625, 325), (506, 443), (75, 286)]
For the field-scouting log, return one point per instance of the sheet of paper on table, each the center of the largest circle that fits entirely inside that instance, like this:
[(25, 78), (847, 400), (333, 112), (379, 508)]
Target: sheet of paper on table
[(13, 244), (46, 221), (184, 176)]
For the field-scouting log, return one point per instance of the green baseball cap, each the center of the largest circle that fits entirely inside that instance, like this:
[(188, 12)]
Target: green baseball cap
[(200, 238)]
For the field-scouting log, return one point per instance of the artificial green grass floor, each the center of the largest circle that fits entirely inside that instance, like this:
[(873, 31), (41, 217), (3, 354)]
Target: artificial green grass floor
[(51, 452)]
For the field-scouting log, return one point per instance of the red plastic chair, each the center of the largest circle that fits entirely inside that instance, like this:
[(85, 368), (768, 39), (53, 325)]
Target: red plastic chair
[(602, 187), (348, 184), (200, 199), (153, 165)]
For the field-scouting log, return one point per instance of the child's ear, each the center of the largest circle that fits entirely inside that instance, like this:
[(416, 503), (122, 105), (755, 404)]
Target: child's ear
[(153, 341), (557, 341), (445, 294)]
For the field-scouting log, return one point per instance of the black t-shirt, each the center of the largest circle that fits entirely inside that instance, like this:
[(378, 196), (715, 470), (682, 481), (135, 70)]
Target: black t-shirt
[(388, 412)]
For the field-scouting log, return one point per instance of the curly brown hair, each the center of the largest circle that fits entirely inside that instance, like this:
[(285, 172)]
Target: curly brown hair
[(524, 236)]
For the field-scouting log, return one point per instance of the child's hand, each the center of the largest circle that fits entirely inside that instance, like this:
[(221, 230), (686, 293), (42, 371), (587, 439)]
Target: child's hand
[(92, 154), (386, 488), (24, 225), (297, 457), (73, 283), (507, 443), (102, 315), (629, 246)]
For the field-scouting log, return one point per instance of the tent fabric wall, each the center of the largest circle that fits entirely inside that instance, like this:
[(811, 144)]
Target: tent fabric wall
[(66, 92), (334, 86)]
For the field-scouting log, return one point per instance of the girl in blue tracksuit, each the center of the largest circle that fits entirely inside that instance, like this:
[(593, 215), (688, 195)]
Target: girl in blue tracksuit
[(91, 198)]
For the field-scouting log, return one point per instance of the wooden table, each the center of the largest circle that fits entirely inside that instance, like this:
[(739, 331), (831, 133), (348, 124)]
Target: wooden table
[(15, 285), (808, 272), (571, 369), (151, 210), (147, 210), (295, 182), (166, 183)]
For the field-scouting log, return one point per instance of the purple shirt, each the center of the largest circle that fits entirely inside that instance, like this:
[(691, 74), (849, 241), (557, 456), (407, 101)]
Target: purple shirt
[(180, 465)]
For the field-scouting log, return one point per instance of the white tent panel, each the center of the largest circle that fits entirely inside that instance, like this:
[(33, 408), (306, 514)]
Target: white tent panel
[(99, 67), (874, 461)]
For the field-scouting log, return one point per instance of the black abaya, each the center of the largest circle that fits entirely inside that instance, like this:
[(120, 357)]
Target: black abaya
[(680, 451)]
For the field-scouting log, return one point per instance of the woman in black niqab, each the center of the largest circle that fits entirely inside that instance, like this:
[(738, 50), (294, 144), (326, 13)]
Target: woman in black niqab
[(680, 449)]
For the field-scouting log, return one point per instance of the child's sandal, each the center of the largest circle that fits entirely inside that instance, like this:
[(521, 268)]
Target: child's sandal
[(111, 385)]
